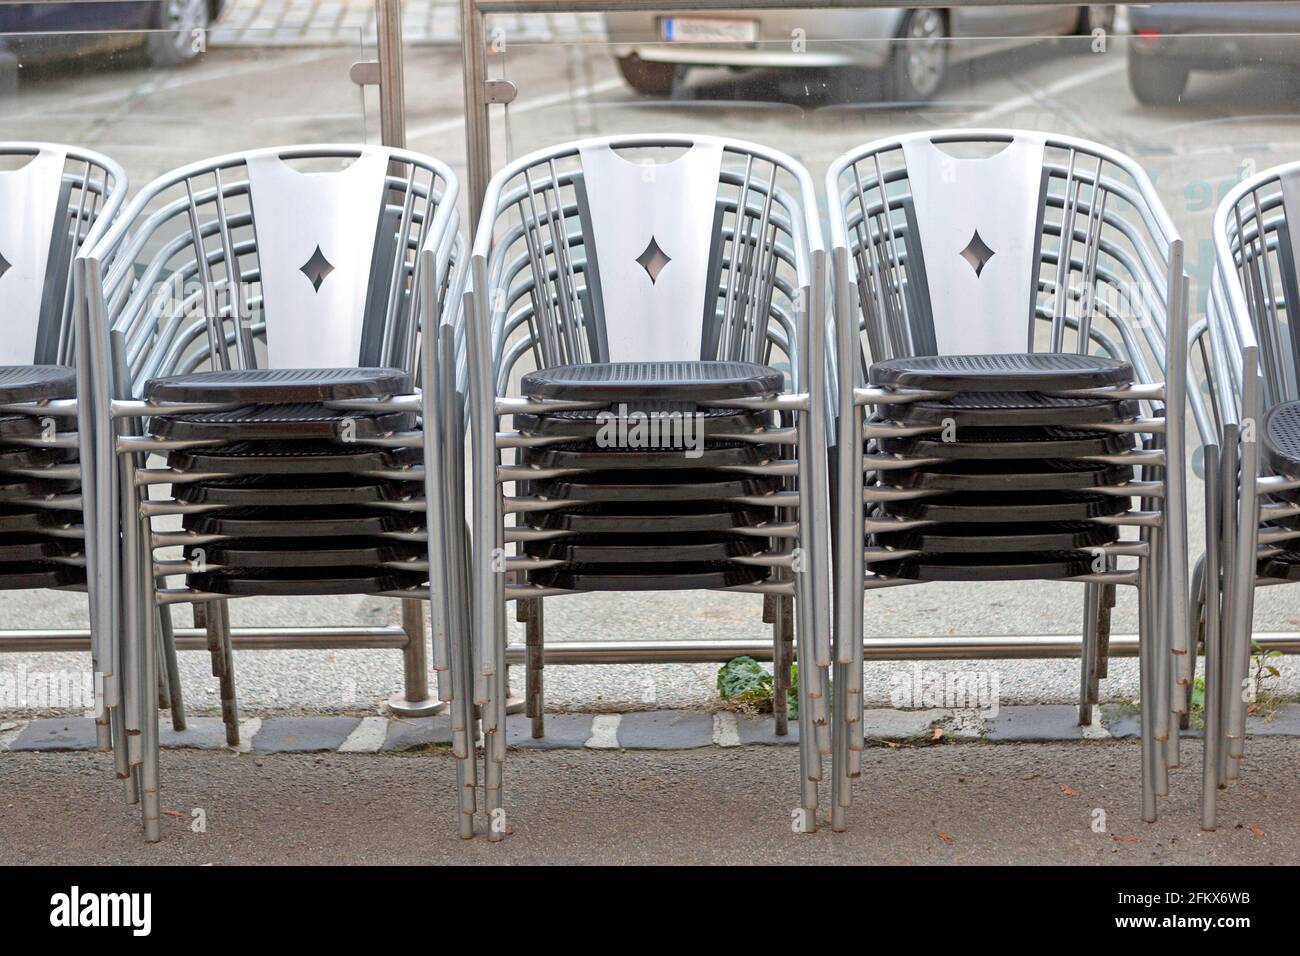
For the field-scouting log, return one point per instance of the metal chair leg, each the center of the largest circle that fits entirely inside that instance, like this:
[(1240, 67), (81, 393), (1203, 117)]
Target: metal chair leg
[(534, 691), (1208, 599), (172, 666), (1103, 627), (780, 666), (1243, 604), (1088, 650), (223, 666), (1101, 655), (1146, 678)]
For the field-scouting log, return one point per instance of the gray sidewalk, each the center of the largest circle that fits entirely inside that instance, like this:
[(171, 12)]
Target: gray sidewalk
[(298, 23), (954, 803)]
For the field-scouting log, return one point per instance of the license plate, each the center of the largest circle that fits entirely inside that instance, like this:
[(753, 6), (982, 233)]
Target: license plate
[(701, 30)]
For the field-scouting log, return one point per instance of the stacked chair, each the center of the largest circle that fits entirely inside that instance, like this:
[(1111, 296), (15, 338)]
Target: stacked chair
[(631, 299), (673, 515), (1011, 338), (275, 332), (1253, 495), (53, 201), (42, 534), (998, 474)]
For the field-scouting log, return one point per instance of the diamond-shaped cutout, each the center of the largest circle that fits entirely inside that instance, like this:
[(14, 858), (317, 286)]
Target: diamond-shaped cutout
[(653, 260), (977, 253), (4, 265), (316, 269)]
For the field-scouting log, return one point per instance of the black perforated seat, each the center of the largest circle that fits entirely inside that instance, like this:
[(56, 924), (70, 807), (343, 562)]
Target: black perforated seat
[(1014, 409), (20, 519), (645, 548), (21, 456), (276, 386), (1000, 538), (20, 426), (39, 574), (339, 552), (654, 475), (641, 381), (702, 486), (304, 582), (39, 547), (976, 567), (292, 458), (302, 522), (1284, 566), (648, 517), (26, 548), (1014, 443), (1004, 509), (1014, 371), (290, 502), (13, 488), (280, 422), (648, 577), (1051, 474), (296, 492), (1282, 439), (36, 383), (588, 423), (591, 457)]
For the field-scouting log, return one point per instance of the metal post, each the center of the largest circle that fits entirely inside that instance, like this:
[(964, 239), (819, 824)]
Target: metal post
[(392, 91), (415, 700), (478, 131)]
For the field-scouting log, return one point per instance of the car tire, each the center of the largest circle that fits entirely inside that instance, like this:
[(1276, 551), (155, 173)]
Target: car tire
[(1156, 80), (918, 64), (647, 78), (1096, 16), (178, 19)]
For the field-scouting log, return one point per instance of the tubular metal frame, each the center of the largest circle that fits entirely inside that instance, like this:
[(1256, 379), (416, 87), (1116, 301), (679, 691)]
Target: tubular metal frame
[(96, 189), (1251, 367), (135, 334), (525, 301), (871, 274)]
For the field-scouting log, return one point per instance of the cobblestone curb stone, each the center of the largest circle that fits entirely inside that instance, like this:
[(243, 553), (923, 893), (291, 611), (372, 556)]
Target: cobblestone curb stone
[(639, 730)]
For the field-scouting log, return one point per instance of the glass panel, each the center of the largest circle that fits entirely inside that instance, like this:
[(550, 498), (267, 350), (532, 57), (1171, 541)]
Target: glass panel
[(237, 88), (118, 93), (1197, 112)]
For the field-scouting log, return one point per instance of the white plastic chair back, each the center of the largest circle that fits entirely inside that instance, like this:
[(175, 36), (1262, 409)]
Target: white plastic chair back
[(977, 219), (309, 259), (316, 238), (990, 241), (1262, 251), (652, 229), (48, 207), (670, 248)]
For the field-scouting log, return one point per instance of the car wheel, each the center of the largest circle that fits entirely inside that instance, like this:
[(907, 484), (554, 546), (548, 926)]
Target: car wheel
[(1097, 16), (650, 79), (176, 22), (918, 64), (1155, 80)]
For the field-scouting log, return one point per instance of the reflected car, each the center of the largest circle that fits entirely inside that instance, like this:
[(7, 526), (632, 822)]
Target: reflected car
[(44, 32), (654, 51), (1170, 41)]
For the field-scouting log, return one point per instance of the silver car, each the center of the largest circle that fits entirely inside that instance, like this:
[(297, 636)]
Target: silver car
[(655, 50)]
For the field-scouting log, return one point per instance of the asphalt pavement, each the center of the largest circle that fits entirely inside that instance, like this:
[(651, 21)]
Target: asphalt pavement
[(1068, 804)]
